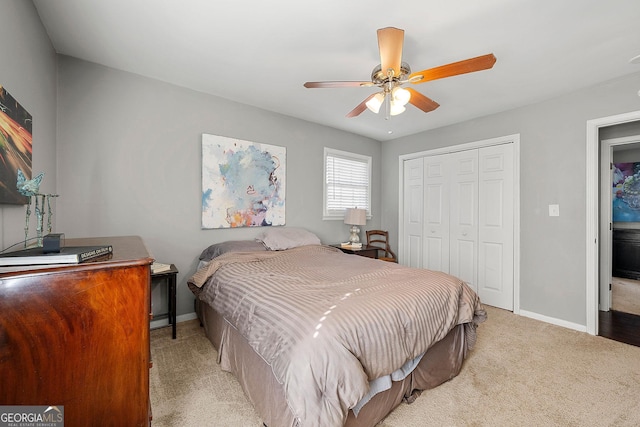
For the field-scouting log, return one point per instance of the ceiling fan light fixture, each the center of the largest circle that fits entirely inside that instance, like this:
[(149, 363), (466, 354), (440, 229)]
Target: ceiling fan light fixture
[(375, 103), (400, 96), (396, 109)]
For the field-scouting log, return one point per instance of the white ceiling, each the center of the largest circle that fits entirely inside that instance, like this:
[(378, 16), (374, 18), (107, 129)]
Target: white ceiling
[(261, 52)]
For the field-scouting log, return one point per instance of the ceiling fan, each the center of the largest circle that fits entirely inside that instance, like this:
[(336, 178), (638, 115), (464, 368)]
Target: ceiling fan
[(392, 73)]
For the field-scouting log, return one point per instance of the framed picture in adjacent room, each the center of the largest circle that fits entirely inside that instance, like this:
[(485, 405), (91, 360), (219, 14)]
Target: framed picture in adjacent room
[(626, 192)]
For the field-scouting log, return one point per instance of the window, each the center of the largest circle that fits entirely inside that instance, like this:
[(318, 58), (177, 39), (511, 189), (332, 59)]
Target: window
[(347, 183)]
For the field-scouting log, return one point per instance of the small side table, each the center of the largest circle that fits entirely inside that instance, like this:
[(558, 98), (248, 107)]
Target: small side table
[(366, 251), (170, 276)]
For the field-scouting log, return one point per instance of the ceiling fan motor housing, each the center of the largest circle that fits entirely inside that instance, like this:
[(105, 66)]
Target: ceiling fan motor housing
[(380, 77)]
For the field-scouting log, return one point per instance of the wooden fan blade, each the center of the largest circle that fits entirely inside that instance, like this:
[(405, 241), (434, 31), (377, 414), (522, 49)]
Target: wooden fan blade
[(390, 42), (360, 107), (421, 101), (336, 84), (483, 62)]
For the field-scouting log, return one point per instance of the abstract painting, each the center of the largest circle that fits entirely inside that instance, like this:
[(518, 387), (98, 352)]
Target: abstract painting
[(626, 192), (15, 147), (243, 183)]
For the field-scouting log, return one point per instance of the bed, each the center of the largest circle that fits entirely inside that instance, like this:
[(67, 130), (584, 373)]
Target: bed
[(320, 338)]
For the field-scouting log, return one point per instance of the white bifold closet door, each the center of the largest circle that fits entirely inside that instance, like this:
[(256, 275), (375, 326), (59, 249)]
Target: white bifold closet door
[(495, 226), (458, 218), (436, 213), (463, 222), (413, 212)]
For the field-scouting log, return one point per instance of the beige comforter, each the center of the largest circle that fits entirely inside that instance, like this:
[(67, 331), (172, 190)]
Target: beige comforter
[(328, 323)]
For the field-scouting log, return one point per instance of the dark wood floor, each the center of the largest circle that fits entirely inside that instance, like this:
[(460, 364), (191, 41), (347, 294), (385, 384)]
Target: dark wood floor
[(619, 326)]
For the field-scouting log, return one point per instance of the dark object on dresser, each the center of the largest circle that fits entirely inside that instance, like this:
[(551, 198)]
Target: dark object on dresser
[(52, 243), (626, 253), (78, 336)]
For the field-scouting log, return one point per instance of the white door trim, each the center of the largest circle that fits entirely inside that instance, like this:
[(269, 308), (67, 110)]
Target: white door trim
[(592, 217), (515, 140)]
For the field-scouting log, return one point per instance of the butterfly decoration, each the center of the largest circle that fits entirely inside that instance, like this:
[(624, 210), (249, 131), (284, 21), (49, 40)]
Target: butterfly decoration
[(28, 187)]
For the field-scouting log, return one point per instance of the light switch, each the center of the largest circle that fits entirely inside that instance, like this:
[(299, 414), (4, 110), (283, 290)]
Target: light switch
[(554, 210)]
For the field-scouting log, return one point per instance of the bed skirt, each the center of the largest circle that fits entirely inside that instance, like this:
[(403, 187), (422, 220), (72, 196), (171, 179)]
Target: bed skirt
[(440, 363)]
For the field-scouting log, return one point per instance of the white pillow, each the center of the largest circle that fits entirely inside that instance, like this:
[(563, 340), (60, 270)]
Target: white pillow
[(280, 238)]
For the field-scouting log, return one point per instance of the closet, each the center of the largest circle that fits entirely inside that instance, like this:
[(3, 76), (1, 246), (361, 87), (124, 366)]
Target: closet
[(458, 217)]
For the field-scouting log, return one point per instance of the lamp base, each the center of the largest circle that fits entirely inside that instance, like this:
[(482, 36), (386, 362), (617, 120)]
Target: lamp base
[(354, 238)]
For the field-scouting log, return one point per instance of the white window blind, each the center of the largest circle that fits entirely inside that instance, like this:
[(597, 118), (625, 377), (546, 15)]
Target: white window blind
[(347, 183)]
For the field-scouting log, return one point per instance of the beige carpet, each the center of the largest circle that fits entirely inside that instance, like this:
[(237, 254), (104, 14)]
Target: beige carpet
[(522, 372)]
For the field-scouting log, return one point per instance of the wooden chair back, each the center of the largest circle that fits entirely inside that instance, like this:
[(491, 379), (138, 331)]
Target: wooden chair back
[(380, 240)]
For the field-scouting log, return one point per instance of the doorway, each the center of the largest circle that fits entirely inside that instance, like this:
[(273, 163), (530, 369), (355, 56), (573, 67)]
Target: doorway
[(599, 242), (619, 220), (619, 307)]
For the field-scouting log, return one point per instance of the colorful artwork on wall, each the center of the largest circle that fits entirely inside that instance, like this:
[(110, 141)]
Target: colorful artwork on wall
[(243, 183), (15, 147), (626, 192)]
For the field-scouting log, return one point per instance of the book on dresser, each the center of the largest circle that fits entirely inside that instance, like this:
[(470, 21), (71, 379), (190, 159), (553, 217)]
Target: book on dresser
[(67, 255)]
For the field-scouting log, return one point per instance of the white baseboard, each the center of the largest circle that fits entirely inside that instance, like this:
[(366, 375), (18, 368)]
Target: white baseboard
[(554, 321), (165, 322)]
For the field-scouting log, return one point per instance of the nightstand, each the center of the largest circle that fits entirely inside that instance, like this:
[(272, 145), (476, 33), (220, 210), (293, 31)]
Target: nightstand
[(366, 251), (170, 277)]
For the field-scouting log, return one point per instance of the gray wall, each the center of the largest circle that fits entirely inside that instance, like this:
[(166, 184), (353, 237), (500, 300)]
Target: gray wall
[(552, 171), (129, 163), (28, 73)]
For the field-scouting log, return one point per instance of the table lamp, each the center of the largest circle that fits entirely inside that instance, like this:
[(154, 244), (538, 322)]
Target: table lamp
[(355, 217)]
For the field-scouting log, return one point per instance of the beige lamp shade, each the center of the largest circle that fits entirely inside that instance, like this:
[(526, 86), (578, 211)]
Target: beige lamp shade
[(355, 216)]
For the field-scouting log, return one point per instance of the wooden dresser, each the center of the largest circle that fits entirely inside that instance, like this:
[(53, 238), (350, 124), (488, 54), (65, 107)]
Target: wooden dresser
[(78, 336)]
